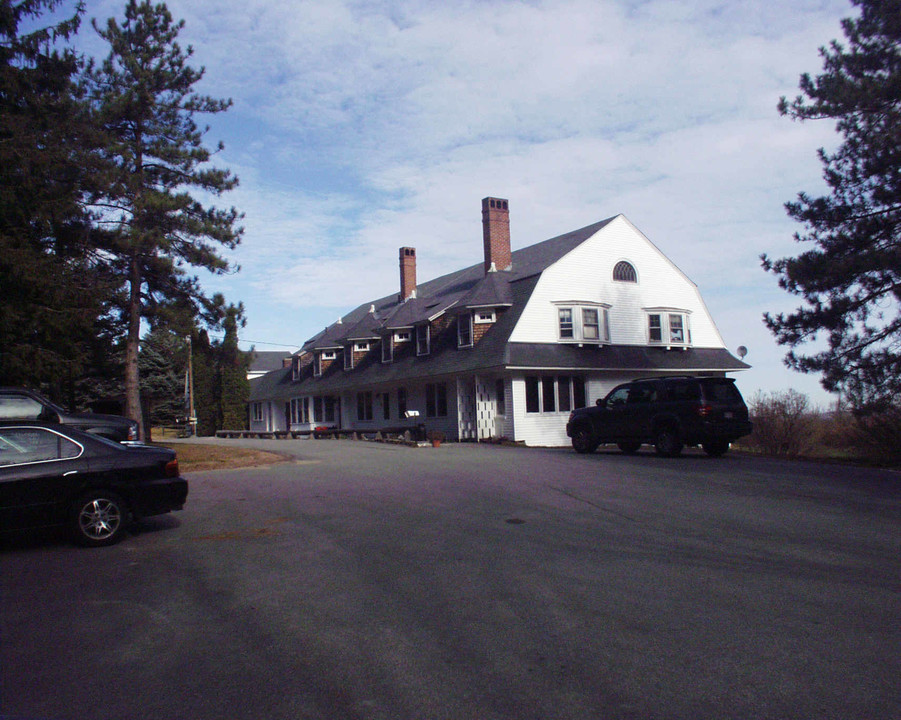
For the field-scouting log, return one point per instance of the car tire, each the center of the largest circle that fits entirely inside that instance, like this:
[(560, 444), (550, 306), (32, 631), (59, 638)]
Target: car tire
[(716, 448), (99, 518), (582, 441), (629, 448), (667, 442)]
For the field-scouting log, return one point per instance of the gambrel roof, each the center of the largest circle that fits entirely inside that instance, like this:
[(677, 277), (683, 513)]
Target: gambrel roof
[(470, 288)]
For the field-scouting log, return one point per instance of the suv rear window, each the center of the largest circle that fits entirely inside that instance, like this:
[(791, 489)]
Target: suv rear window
[(724, 392)]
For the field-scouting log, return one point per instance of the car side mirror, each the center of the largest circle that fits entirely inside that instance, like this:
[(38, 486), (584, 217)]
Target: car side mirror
[(600, 402)]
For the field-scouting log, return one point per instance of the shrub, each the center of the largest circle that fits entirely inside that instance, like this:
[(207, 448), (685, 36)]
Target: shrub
[(784, 424), (876, 432)]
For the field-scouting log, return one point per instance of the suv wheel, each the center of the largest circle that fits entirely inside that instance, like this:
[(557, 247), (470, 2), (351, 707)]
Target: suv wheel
[(667, 442), (582, 441), (715, 448), (630, 447)]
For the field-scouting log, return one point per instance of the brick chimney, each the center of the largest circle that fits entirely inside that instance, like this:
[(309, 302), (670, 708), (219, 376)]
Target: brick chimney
[(407, 272), (496, 234)]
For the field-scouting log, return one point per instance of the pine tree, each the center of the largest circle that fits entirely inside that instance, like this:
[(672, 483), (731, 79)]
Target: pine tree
[(850, 279), (52, 293), (154, 158)]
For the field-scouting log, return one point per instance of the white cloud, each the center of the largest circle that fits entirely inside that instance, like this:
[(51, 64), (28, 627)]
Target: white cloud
[(359, 127)]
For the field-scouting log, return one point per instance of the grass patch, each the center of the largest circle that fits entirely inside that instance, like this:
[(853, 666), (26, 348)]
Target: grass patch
[(197, 457)]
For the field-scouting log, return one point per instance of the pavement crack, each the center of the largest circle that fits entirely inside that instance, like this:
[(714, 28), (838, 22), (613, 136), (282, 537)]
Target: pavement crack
[(589, 502)]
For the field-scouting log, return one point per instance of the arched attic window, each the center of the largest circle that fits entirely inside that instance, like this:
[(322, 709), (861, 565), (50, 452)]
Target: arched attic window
[(624, 272)]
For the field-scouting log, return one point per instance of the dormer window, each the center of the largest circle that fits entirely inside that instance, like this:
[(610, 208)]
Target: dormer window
[(485, 316), (387, 348), (348, 358), (361, 346), (583, 322), (464, 330), (625, 272), (422, 340)]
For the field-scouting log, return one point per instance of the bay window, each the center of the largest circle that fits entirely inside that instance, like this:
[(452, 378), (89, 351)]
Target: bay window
[(583, 322)]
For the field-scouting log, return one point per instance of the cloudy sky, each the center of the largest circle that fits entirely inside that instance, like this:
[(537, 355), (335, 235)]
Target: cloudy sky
[(359, 127)]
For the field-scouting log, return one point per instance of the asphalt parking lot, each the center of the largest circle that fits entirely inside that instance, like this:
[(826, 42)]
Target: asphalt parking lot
[(371, 581)]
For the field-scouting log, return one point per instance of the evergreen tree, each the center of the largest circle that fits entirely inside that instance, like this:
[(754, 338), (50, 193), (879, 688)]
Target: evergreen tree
[(163, 361), (233, 363), (206, 403), (154, 158), (850, 279), (52, 292)]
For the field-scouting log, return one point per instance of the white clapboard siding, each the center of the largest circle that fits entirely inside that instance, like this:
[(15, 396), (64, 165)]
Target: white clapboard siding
[(586, 274)]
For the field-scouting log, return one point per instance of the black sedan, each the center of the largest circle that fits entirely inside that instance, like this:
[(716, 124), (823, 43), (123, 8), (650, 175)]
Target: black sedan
[(53, 475)]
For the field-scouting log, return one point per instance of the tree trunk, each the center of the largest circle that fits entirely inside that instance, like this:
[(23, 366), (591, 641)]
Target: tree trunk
[(132, 345)]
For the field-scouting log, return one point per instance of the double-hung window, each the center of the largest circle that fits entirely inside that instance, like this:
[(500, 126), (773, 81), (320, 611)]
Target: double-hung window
[(436, 400), (565, 317), (364, 405), (422, 339), (387, 348), (464, 330)]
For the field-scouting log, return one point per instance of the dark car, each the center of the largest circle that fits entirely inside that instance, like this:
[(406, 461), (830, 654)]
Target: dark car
[(667, 412), (54, 475), (19, 404)]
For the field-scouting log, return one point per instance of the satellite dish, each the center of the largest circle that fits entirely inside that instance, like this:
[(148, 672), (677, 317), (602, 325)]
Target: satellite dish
[(742, 351)]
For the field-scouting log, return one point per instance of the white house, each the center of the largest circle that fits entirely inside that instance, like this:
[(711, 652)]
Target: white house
[(505, 348)]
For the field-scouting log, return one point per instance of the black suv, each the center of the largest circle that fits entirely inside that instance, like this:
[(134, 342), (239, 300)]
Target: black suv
[(667, 412), (18, 404)]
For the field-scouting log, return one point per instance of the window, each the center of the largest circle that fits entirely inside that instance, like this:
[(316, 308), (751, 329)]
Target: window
[(584, 323), (364, 405), (386, 406), (591, 328), (329, 354), (500, 396), (348, 358), (20, 407), (485, 316), (676, 329), (256, 411), (565, 316), (624, 272), (436, 400), (564, 389), (549, 394), (401, 402), (387, 349), (464, 330), (361, 346), (317, 409), (20, 446), (668, 328), (329, 402), (317, 364), (422, 339), (655, 327), (533, 401), (402, 336)]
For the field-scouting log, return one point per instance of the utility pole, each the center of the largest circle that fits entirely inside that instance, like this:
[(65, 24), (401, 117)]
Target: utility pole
[(192, 416)]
